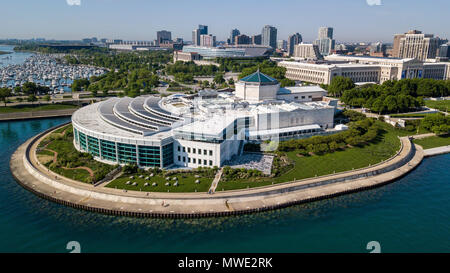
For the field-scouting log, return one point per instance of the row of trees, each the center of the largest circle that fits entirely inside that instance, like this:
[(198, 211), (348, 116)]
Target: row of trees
[(237, 65), (437, 123), (391, 96), (132, 82), (152, 60), (190, 68), (267, 67)]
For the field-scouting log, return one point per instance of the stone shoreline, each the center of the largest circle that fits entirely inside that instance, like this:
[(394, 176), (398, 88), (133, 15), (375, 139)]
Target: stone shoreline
[(36, 178)]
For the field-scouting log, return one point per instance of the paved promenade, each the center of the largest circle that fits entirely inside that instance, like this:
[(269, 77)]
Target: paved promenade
[(37, 114), (437, 151), (46, 184)]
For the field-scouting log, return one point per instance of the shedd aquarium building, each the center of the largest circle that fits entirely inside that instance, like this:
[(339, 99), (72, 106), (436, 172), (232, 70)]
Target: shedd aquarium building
[(202, 130)]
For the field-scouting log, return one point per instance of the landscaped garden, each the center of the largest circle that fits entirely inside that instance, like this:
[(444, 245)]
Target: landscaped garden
[(58, 154), (156, 180), (297, 165)]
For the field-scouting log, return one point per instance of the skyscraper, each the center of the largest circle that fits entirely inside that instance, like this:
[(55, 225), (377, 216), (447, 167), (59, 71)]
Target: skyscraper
[(234, 33), (196, 33), (207, 40), (242, 40), (163, 36), (257, 39), (293, 40), (269, 36), (325, 40), (415, 44)]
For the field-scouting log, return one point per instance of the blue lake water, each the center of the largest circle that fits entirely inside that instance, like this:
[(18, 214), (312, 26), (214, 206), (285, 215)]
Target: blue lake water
[(13, 57), (411, 215)]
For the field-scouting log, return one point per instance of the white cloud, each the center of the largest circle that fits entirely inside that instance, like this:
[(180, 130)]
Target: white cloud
[(73, 2), (374, 2)]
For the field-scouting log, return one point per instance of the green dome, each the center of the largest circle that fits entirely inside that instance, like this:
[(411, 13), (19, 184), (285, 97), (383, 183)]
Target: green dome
[(260, 78)]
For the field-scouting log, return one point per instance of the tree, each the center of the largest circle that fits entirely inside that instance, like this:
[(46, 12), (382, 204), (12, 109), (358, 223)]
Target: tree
[(287, 82), (47, 98), (29, 88), (219, 78), (32, 98), (5, 93), (340, 84)]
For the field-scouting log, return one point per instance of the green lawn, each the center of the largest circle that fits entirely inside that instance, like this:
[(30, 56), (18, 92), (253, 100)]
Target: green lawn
[(186, 183), (36, 107), (443, 105), (433, 142), (409, 115), (340, 161)]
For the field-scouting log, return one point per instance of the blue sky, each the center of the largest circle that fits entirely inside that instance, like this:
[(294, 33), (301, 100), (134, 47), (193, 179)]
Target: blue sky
[(353, 20)]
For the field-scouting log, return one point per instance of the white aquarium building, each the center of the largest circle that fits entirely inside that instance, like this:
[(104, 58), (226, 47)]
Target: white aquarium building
[(202, 130)]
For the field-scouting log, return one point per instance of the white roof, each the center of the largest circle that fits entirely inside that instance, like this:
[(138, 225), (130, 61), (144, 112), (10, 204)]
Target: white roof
[(283, 130)]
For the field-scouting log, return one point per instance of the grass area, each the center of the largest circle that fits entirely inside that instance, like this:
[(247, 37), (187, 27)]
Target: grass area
[(443, 105), (409, 115), (69, 157), (4, 52), (186, 183), (310, 166), (36, 107), (433, 142)]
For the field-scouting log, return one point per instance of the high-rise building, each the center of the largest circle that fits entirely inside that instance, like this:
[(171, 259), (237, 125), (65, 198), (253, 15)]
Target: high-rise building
[(307, 51), (293, 40), (207, 40), (163, 36), (282, 44), (195, 37), (325, 32), (269, 36), (242, 40), (415, 44), (257, 39), (325, 40), (196, 33), (234, 33), (444, 51), (203, 29)]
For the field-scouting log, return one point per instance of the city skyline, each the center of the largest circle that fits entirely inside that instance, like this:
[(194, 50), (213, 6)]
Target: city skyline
[(140, 20)]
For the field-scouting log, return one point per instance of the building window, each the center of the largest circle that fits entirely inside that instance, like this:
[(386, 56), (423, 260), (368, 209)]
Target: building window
[(194, 160), (179, 149), (205, 153), (204, 162), (210, 163), (189, 160), (184, 159), (189, 150), (193, 150), (179, 158), (184, 149), (210, 152)]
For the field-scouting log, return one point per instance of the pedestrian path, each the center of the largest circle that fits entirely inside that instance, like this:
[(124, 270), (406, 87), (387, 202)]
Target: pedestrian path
[(215, 181)]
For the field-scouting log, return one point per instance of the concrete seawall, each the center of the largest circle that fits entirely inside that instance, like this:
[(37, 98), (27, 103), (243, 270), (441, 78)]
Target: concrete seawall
[(34, 177), (36, 114)]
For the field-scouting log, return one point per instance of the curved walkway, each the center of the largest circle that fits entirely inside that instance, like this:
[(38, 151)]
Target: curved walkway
[(185, 205)]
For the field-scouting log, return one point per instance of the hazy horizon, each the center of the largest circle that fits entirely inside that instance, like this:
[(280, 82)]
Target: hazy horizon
[(352, 20)]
